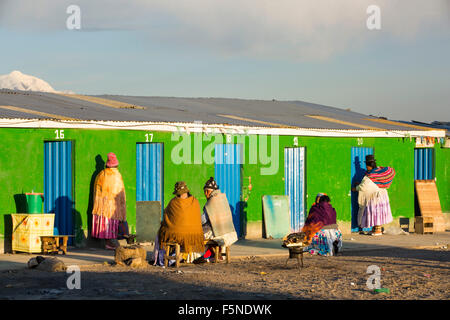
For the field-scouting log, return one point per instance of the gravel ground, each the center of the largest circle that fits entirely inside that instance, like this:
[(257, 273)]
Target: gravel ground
[(407, 273)]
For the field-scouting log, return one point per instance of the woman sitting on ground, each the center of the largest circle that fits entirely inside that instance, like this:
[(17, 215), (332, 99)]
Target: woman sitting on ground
[(321, 228)]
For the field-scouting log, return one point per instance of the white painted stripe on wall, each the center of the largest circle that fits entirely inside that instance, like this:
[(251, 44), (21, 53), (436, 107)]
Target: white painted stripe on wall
[(214, 128)]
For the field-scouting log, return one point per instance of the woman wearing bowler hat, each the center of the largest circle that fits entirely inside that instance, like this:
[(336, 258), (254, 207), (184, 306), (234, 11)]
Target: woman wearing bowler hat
[(373, 198)]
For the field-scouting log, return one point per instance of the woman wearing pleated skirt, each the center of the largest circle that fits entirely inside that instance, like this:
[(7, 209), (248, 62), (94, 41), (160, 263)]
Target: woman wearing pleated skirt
[(373, 199), (109, 213)]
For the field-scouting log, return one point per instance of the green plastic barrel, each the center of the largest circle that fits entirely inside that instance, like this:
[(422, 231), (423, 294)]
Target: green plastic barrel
[(34, 202)]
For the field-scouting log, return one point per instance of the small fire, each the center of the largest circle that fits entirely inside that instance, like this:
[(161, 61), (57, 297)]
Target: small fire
[(302, 238), (310, 230)]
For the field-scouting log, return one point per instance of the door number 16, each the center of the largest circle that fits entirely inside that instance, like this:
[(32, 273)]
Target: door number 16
[(59, 134)]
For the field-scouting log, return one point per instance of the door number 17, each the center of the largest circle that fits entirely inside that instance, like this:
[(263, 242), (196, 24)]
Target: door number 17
[(148, 137)]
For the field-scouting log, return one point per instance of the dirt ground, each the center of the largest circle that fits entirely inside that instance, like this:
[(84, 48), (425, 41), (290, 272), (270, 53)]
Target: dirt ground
[(407, 273)]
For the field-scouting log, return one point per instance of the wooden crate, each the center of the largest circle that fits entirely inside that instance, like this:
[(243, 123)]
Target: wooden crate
[(404, 224), (429, 203), (424, 225), (28, 229), (52, 244)]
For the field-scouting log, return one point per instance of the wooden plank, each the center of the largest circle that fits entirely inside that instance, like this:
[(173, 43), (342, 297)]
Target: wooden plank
[(166, 255), (428, 198), (429, 203), (177, 255)]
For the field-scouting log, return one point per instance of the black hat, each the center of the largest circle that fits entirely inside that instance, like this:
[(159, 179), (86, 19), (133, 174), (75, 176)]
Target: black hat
[(211, 184), (370, 158)]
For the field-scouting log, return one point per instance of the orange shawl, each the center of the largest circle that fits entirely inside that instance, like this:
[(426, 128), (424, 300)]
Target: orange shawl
[(109, 195), (182, 224)]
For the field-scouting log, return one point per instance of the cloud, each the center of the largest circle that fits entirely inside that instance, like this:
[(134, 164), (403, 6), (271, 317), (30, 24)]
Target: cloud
[(293, 29)]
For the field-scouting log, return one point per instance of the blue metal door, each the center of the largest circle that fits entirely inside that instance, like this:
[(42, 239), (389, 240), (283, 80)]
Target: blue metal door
[(149, 172), (228, 163), (58, 192), (423, 164), (358, 171), (294, 185)]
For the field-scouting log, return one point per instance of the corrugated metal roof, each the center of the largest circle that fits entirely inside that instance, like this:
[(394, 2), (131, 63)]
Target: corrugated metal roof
[(253, 113), (434, 125)]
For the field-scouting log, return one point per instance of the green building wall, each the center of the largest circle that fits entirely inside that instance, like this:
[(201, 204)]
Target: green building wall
[(327, 170), (442, 170)]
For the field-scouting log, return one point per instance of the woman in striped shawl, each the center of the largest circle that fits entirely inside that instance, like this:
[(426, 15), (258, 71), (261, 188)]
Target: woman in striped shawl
[(373, 199)]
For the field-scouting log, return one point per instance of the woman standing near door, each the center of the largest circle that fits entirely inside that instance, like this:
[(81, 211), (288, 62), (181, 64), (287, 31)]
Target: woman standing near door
[(373, 198), (109, 212)]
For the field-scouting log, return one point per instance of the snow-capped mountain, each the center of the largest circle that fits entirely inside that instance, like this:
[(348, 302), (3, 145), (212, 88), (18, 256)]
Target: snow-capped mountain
[(16, 80)]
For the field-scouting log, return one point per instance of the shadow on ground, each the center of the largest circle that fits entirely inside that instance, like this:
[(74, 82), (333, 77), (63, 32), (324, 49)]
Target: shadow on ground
[(120, 285), (406, 257)]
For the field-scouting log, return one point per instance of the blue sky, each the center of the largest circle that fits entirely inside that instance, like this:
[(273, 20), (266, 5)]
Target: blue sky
[(319, 52)]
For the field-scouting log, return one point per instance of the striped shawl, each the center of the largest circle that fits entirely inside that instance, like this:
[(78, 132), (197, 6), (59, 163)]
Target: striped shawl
[(382, 176)]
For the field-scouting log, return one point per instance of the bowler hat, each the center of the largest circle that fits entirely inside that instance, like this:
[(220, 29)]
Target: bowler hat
[(180, 188), (211, 184)]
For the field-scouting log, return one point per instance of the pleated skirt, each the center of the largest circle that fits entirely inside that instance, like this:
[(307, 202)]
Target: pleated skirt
[(104, 228), (377, 212)]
